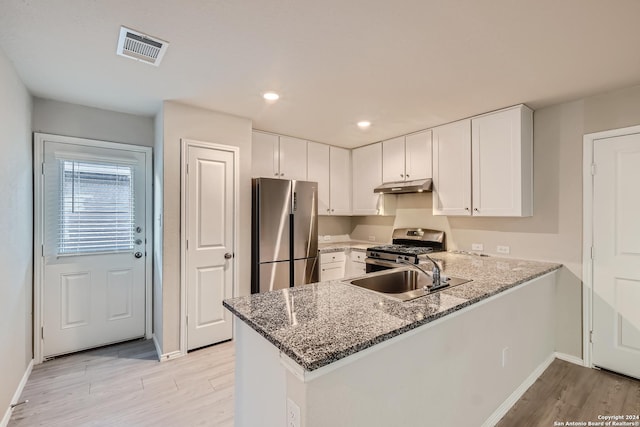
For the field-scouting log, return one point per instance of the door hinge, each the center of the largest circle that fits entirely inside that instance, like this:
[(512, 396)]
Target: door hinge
[(592, 253), (187, 320), (42, 247), (42, 168), (593, 168), (187, 244), (187, 166), (590, 336), (42, 332)]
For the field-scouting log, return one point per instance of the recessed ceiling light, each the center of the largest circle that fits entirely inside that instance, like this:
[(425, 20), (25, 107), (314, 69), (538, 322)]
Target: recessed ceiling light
[(271, 96), (364, 124)]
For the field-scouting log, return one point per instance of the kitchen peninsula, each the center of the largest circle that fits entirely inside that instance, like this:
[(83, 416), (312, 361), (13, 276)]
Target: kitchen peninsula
[(334, 354)]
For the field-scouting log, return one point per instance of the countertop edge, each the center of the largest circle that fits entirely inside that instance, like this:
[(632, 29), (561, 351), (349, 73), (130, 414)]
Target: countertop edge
[(333, 357)]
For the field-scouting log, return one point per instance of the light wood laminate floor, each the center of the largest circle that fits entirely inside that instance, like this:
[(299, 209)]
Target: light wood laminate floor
[(567, 392), (125, 385)]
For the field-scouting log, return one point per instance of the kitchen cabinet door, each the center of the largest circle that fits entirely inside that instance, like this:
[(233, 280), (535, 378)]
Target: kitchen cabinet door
[(366, 165), (264, 155), (293, 158), (418, 156), (340, 181), (318, 171), (452, 168), (502, 153), (393, 160)]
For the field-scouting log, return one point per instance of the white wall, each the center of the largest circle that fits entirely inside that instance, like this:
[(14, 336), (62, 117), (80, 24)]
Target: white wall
[(16, 219), (62, 118), (183, 121)]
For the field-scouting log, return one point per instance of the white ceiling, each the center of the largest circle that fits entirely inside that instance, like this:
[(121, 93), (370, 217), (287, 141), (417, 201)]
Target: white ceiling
[(405, 65)]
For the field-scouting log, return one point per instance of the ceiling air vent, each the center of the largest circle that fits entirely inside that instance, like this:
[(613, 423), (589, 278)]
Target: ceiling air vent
[(141, 47)]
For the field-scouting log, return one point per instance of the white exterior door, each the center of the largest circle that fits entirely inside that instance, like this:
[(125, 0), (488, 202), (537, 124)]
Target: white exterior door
[(94, 236), (211, 184), (616, 264)]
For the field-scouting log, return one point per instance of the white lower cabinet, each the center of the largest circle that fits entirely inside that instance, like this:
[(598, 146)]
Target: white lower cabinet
[(357, 265), (332, 266)]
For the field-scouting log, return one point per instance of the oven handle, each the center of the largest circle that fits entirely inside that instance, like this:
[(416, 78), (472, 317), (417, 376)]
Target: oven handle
[(382, 263)]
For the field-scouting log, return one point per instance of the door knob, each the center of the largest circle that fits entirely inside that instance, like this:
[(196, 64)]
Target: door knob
[(138, 229), (138, 255), (228, 255)]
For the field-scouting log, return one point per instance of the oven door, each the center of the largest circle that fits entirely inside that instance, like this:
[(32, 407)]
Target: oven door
[(373, 265)]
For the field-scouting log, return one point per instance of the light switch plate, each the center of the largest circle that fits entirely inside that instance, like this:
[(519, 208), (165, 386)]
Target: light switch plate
[(503, 249)]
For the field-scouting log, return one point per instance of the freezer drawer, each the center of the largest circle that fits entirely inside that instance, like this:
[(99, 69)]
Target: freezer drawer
[(305, 271), (273, 275)]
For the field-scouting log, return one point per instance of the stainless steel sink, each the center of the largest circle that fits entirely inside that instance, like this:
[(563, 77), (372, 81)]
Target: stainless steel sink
[(401, 283)]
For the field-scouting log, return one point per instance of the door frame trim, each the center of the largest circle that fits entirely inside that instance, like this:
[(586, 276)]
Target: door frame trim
[(588, 142), (185, 143), (38, 227)]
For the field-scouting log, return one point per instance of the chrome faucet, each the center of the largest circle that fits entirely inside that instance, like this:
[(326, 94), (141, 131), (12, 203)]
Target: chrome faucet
[(435, 273)]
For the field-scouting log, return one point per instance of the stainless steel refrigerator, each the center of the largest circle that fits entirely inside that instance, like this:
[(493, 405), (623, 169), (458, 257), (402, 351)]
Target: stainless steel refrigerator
[(284, 234)]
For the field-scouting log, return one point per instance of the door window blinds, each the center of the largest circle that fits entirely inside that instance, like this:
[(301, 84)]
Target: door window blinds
[(96, 207)]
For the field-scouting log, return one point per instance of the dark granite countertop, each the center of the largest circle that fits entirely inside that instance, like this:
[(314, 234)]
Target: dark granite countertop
[(320, 323)]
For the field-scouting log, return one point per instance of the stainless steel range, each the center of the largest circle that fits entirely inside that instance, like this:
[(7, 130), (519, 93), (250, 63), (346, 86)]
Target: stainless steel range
[(407, 245)]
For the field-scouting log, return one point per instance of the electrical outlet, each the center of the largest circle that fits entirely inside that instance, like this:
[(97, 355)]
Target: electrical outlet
[(503, 249), (505, 356), (372, 238), (293, 414), (327, 238), (477, 247)]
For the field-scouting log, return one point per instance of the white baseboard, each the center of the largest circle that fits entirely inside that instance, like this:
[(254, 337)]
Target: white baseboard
[(517, 394), (163, 357), (17, 394), (569, 358)]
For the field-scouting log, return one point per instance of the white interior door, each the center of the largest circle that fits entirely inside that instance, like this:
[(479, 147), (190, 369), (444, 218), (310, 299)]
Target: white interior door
[(94, 236), (211, 184), (616, 264)]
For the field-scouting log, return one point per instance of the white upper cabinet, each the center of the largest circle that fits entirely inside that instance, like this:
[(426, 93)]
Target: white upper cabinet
[(393, 160), (293, 158), (407, 158), (274, 156), (502, 163), (265, 155), (366, 165), (340, 181), (498, 148), (418, 155), (318, 171), (452, 168)]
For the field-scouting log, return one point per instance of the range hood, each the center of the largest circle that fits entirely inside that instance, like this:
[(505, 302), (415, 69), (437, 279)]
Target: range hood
[(401, 187)]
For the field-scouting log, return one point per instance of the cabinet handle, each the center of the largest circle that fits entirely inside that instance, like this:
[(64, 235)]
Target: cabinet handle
[(466, 209), (475, 209), (275, 174), (401, 175), (281, 174), (332, 210), (328, 210), (407, 175)]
